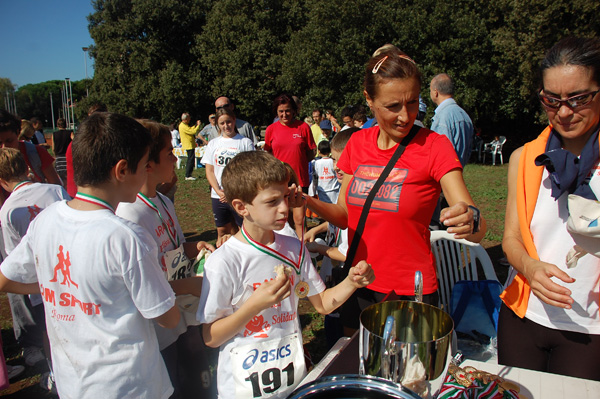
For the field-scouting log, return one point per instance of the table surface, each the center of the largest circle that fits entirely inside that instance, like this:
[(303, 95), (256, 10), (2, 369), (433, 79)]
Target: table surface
[(343, 359)]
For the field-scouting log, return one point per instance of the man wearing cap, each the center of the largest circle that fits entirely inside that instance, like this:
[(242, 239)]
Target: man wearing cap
[(326, 129), (188, 142), (244, 128), (450, 119), (209, 131)]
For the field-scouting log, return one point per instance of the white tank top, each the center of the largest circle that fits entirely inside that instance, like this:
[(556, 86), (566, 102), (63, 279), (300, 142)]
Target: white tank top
[(553, 242)]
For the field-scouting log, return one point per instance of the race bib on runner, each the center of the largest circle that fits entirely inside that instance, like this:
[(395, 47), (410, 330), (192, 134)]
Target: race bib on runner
[(388, 196), (268, 368), (178, 264)]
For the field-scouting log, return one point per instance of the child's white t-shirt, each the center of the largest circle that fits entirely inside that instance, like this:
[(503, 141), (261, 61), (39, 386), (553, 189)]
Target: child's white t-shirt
[(230, 276), (22, 206), (220, 151), (101, 282), (140, 213), (328, 186)]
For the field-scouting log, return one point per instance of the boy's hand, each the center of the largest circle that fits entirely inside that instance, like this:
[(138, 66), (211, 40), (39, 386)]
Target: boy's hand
[(361, 275), (221, 241), (310, 235), (270, 293), (204, 244)]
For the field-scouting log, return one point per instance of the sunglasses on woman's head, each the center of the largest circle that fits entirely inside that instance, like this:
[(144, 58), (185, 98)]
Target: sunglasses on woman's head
[(574, 102)]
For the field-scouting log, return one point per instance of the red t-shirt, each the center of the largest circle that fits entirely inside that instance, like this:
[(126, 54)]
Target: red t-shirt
[(395, 240), (45, 158), (290, 144)]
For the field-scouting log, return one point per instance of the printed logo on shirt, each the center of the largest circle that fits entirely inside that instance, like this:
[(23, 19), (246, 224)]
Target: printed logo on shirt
[(63, 266), (388, 196), (65, 299), (257, 327), (33, 211)]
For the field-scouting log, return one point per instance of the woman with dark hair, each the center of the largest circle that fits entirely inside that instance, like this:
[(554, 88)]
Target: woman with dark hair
[(395, 240), (550, 317), (290, 140)]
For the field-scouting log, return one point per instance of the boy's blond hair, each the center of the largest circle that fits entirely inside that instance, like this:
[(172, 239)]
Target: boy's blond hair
[(12, 164), (250, 172), (27, 130)]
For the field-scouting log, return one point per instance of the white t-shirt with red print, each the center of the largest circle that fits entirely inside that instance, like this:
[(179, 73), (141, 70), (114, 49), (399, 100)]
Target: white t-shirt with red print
[(220, 151), (101, 282), (269, 348), (166, 235), (22, 206)]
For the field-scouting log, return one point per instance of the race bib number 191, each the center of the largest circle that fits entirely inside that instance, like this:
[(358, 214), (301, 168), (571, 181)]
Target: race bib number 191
[(265, 369)]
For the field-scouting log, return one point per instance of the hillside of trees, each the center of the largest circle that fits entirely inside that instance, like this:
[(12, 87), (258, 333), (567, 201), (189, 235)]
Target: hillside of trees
[(158, 58)]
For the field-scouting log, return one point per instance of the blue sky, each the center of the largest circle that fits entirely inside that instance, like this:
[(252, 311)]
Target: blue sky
[(42, 40)]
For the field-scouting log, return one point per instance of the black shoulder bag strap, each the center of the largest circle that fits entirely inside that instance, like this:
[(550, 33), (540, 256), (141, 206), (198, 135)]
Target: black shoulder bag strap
[(367, 206)]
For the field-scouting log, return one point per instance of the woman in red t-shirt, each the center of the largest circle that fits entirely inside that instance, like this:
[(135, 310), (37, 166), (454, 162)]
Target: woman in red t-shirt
[(291, 141), (395, 240)]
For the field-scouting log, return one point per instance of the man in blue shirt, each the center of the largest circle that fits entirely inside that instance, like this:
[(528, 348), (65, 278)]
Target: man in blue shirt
[(450, 119)]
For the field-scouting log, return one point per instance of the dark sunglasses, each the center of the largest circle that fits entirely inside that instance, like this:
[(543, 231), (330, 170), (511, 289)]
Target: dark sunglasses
[(224, 106), (574, 102)]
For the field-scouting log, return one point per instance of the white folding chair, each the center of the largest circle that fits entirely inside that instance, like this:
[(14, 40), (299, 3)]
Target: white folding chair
[(493, 148), (456, 260)]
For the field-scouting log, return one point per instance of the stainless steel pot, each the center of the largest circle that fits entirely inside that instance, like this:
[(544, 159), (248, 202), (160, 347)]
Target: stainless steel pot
[(404, 341), (352, 386)]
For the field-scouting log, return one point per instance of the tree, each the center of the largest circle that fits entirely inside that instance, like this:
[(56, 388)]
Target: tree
[(143, 58)]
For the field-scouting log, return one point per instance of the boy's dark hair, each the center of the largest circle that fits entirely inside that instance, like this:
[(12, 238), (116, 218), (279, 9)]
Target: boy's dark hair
[(9, 122), (61, 123), (104, 139), (360, 116), (161, 135), (249, 172), (348, 110), (324, 147), (338, 143), (12, 164)]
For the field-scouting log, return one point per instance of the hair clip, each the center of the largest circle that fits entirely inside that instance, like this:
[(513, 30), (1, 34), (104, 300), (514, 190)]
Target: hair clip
[(378, 65), (406, 57)]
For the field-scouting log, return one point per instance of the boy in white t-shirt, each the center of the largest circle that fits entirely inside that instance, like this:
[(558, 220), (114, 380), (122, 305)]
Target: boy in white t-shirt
[(26, 201), (324, 183), (99, 274), (252, 284), (181, 347), (335, 247), (219, 152)]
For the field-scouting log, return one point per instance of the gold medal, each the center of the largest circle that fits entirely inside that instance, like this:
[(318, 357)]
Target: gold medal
[(301, 289)]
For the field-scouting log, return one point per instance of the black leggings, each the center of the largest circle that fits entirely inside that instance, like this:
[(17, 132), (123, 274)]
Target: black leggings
[(525, 344)]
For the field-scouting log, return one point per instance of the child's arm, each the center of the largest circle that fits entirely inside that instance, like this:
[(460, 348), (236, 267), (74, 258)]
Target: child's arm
[(7, 285), (212, 180), (311, 234), (330, 252), (170, 319), (359, 276), (191, 249), (189, 285), (266, 295)]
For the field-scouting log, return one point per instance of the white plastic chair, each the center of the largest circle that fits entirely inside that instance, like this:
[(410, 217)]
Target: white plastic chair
[(456, 260), (494, 148)]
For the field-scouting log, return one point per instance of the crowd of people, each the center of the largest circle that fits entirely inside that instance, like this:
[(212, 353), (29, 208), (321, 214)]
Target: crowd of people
[(104, 287)]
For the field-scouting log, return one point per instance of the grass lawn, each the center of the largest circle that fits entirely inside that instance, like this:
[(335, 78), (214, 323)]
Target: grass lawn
[(487, 185)]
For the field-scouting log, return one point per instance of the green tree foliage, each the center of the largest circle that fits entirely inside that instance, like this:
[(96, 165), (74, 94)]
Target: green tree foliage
[(143, 63)]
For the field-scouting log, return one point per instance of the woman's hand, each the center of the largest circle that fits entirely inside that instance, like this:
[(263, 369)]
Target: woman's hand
[(539, 275), (222, 239), (296, 197), (310, 235), (459, 219)]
